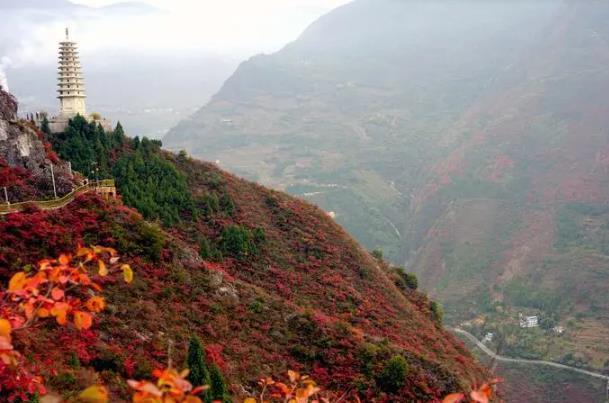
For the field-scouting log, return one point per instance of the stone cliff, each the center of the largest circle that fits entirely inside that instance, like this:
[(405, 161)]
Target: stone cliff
[(26, 158)]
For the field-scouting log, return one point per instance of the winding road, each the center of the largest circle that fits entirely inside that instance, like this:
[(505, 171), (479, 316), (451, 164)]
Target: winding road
[(497, 357)]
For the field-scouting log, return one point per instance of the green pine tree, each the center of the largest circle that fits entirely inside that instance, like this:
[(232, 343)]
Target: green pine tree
[(44, 126), (226, 204), (118, 135), (199, 374), (218, 390), (204, 248)]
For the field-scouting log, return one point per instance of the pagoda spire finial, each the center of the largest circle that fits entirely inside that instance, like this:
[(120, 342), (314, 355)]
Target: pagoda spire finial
[(67, 34)]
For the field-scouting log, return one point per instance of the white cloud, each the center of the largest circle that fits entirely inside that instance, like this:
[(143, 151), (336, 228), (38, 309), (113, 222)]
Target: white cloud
[(235, 29)]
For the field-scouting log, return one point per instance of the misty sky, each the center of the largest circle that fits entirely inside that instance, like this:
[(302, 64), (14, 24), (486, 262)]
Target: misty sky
[(237, 27), (231, 28)]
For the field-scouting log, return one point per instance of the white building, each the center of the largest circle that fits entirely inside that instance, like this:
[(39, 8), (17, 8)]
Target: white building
[(488, 337), (528, 321), (70, 86)]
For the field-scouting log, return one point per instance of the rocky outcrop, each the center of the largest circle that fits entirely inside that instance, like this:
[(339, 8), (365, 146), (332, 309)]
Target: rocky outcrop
[(8, 106), (25, 158)]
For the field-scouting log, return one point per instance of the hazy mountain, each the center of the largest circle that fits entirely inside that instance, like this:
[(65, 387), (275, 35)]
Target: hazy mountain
[(361, 101), (468, 139)]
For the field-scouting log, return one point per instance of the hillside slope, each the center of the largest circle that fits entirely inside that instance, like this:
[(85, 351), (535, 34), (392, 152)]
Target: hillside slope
[(466, 139), (267, 281)]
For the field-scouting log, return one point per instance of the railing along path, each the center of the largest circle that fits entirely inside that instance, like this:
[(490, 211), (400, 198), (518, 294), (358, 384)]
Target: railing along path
[(60, 201)]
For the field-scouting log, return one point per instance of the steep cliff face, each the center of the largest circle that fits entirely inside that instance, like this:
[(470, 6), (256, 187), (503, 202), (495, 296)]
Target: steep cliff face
[(8, 105), (26, 157)]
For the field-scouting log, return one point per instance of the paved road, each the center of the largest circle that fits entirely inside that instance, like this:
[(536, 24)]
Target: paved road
[(497, 357)]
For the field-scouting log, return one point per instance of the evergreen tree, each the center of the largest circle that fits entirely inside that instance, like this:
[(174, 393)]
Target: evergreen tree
[(226, 204), (44, 126), (205, 248), (146, 179), (237, 241), (118, 135), (199, 374), (218, 390)]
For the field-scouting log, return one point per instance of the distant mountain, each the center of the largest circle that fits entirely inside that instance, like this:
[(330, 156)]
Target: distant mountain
[(466, 139), (360, 102)]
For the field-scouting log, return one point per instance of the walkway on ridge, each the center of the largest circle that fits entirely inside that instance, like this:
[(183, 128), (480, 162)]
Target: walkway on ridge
[(105, 186)]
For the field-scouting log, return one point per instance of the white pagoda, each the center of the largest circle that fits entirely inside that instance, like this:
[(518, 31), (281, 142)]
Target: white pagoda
[(71, 91), (70, 84)]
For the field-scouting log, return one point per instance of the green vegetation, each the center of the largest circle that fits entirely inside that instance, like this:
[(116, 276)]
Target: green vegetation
[(437, 312), (406, 280), (195, 361), (582, 225), (146, 179), (208, 249), (88, 147), (218, 391), (393, 375), (201, 374), (149, 240), (204, 247), (44, 126), (240, 242), (153, 185), (525, 293), (377, 254)]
